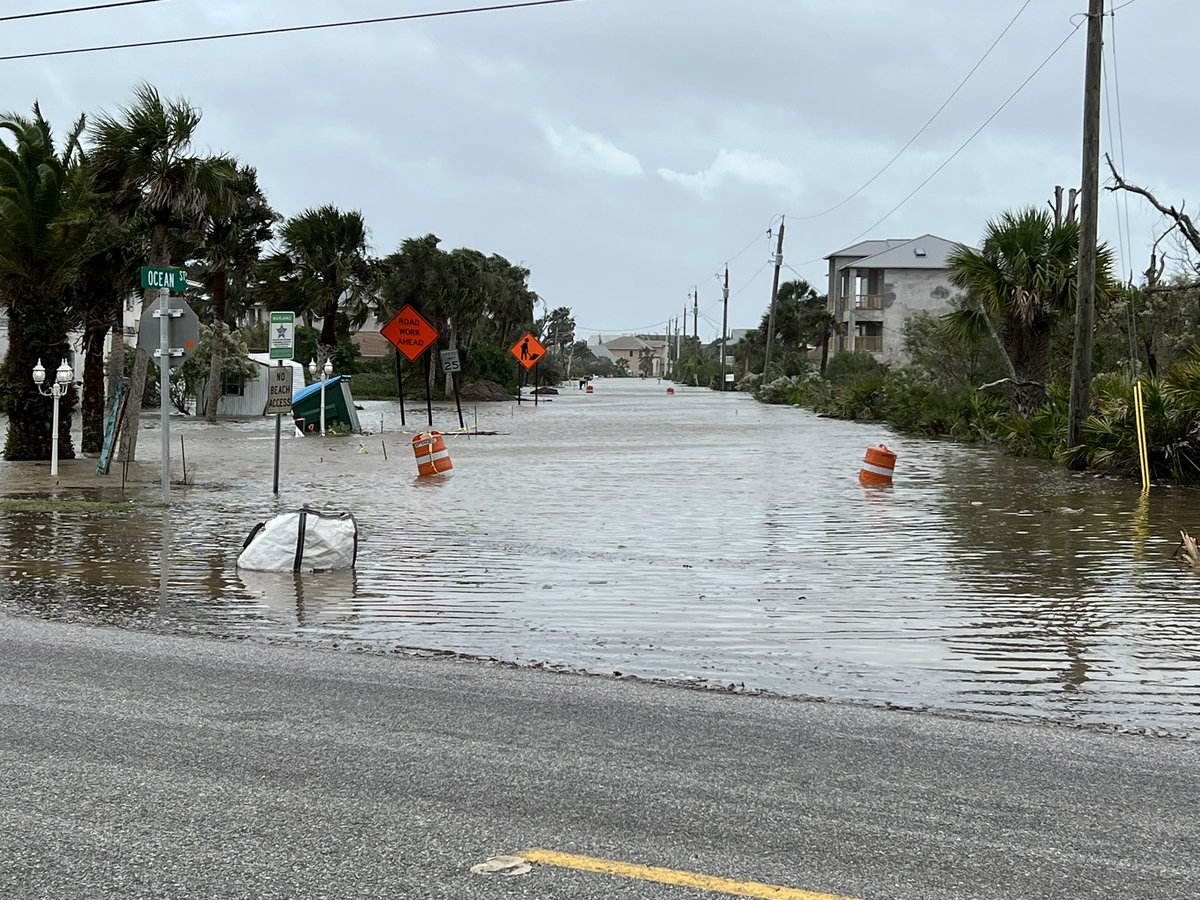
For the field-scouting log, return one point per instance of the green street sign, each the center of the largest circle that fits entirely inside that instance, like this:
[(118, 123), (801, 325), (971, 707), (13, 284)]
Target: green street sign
[(281, 337), (155, 279)]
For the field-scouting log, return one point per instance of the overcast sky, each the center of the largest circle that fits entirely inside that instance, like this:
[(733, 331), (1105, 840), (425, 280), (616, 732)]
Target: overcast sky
[(625, 150)]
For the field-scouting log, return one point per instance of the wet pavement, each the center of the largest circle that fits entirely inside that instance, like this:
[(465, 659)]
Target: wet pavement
[(699, 537)]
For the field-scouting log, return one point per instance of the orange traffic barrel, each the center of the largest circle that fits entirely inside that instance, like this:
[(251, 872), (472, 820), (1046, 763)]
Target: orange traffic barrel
[(670, 390), (433, 458), (589, 389), (877, 466)]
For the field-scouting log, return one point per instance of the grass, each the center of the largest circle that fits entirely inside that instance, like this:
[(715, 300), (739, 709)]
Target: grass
[(62, 506)]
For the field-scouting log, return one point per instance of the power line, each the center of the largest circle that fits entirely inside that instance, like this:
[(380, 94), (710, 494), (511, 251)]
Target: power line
[(75, 9), (288, 30), (961, 147), (928, 122)]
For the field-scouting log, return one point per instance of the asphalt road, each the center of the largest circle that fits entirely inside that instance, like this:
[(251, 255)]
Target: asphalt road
[(140, 765)]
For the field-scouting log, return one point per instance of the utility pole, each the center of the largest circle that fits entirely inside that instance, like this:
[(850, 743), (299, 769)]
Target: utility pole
[(774, 293), (1089, 201), (696, 313), (724, 323)]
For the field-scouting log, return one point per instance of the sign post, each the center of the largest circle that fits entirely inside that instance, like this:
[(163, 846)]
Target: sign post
[(282, 345), (165, 280), (528, 350), (451, 365), (410, 334)]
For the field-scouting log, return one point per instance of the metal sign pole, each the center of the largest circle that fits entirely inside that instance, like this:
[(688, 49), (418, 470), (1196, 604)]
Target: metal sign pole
[(457, 400), (428, 395), (535, 383), (164, 388), (400, 384), (278, 435)]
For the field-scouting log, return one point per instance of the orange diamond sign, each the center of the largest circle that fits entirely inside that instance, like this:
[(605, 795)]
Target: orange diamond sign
[(527, 350), (409, 332)]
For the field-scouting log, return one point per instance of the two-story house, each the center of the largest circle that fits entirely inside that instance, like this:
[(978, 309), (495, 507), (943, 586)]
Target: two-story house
[(875, 286)]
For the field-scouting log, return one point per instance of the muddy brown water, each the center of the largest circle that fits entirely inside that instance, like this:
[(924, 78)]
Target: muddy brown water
[(699, 536)]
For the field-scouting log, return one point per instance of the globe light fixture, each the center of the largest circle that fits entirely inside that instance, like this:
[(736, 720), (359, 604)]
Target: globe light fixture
[(62, 383), (326, 371)]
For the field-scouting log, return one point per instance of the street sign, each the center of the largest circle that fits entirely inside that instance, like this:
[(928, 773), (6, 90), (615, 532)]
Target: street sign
[(409, 332), (528, 350), (451, 362), (155, 278), (281, 335), (183, 331), (279, 390)]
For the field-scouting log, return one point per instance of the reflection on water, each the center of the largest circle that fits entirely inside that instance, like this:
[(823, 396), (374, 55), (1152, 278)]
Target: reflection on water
[(697, 535)]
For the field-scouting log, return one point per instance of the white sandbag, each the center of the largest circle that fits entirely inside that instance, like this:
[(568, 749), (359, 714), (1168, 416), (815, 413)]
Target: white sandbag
[(301, 541)]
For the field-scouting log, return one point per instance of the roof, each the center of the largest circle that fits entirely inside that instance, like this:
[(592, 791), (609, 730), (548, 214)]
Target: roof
[(314, 388), (371, 344), (626, 342), (264, 359), (868, 248), (926, 252)]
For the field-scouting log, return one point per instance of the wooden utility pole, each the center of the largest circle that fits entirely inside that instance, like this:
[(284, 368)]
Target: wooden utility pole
[(774, 294), (1089, 201), (696, 313), (724, 324)]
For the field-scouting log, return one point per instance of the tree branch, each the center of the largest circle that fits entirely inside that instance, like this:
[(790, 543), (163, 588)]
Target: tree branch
[(1182, 221)]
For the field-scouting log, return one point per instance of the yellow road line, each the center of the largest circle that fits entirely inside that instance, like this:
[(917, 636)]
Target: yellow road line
[(676, 877)]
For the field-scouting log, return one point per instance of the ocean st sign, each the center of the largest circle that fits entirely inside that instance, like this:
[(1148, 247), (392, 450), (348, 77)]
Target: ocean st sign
[(155, 278)]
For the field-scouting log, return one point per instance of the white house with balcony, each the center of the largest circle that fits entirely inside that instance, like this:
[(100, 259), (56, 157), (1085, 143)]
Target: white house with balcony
[(876, 286)]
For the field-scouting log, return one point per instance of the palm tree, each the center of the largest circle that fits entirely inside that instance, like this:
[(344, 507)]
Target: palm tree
[(232, 232), (45, 237), (1020, 283), (143, 158), (322, 270)]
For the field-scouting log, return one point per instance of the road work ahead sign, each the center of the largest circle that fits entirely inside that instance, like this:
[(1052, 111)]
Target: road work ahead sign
[(409, 332)]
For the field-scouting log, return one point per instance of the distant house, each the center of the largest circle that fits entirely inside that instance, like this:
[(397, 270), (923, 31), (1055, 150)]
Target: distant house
[(250, 398), (371, 345), (876, 286), (632, 349)]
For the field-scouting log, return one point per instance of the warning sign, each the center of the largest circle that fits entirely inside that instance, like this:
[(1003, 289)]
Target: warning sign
[(527, 350), (409, 332)]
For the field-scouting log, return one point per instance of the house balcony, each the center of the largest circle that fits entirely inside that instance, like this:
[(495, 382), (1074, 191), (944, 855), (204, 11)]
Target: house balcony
[(868, 301)]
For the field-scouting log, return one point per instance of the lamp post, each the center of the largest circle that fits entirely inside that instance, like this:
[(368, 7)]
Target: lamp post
[(62, 381), (326, 371)]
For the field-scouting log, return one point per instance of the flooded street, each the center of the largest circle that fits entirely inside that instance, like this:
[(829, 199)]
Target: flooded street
[(700, 536)]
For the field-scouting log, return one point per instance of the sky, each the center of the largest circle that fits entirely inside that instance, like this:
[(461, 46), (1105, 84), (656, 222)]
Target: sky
[(626, 151)]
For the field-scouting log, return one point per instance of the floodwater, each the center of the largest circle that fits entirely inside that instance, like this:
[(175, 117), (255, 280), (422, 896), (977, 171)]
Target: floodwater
[(700, 537)]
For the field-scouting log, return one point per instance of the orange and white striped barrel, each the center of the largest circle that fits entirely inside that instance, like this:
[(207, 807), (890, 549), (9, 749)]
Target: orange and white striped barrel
[(429, 447), (670, 390), (589, 390), (877, 466)]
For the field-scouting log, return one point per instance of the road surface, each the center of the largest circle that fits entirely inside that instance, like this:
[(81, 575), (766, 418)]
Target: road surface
[(144, 765)]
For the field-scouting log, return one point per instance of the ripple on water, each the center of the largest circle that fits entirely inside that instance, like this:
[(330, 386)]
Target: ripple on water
[(699, 535)]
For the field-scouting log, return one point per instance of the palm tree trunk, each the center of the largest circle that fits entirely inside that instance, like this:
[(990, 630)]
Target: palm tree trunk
[(116, 353), (92, 408), (137, 383), (212, 392)]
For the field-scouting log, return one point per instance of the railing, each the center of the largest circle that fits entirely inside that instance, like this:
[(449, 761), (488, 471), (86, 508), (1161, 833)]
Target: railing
[(868, 301), (872, 343)]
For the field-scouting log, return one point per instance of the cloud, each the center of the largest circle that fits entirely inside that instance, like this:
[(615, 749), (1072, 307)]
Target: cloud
[(738, 165), (590, 152)]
